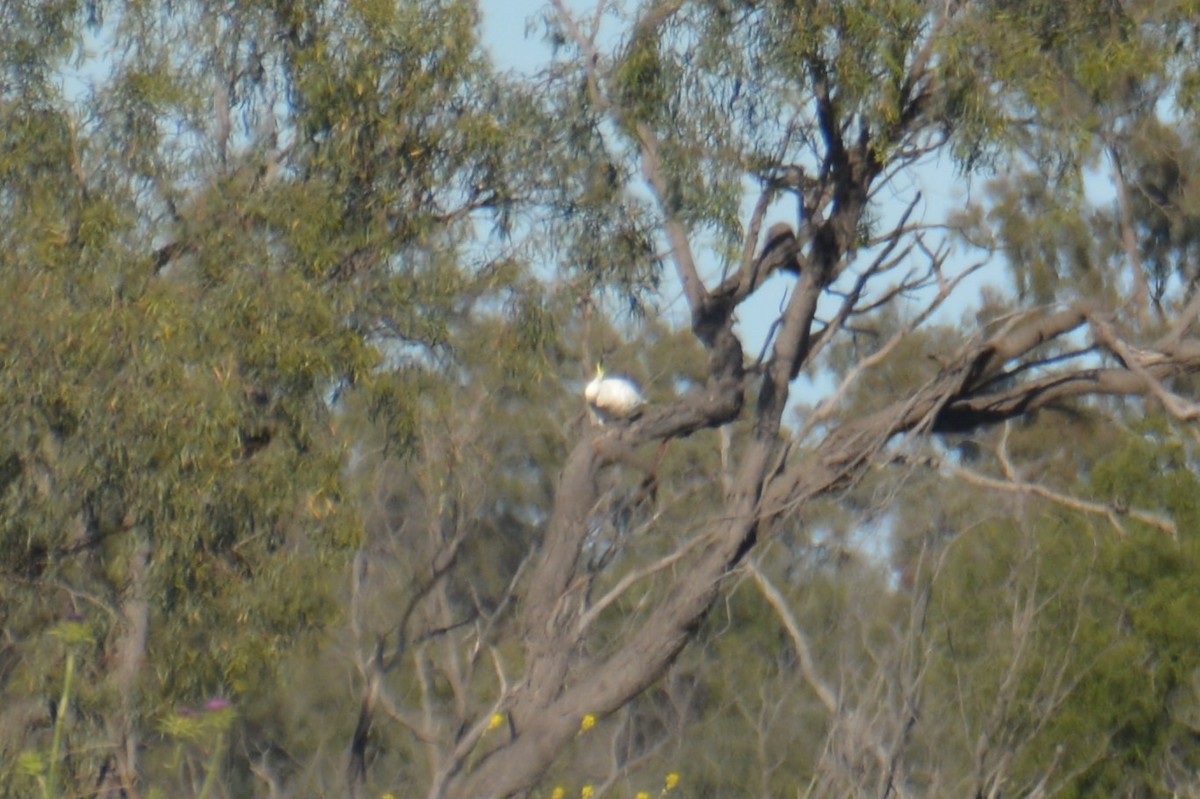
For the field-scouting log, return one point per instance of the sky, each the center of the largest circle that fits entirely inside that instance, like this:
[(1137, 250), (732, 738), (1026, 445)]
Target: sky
[(504, 32)]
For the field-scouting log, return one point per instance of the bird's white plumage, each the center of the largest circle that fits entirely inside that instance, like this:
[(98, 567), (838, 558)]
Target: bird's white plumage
[(613, 397)]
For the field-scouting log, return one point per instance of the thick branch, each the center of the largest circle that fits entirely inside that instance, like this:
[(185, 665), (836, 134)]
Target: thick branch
[(555, 570), (955, 402)]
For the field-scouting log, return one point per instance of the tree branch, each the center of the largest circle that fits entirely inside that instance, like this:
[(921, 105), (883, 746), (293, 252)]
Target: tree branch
[(1110, 511), (825, 694), (953, 402)]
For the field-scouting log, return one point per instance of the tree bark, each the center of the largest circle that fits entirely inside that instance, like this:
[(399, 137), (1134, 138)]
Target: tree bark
[(129, 657)]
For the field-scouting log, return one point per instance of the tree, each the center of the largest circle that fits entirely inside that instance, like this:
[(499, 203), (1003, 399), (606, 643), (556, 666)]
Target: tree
[(827, 104), (302, 401), (203, 256)]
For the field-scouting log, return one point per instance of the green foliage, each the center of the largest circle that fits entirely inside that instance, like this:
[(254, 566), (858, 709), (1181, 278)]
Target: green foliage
[(1048, 240), (199, 323), (1067, 647), (643, 81)]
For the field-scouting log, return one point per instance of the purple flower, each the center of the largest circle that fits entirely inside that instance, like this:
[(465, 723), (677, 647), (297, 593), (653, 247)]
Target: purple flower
[(217, 704)]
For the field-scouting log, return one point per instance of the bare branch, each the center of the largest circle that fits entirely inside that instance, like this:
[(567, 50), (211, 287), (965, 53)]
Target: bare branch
[(829, 404), (1183, 322), (681, 247), (745, 276), (1110, 511), (855, 293), (1137, 361), (954, 402), (799, 641), (626, 582), (472, 736)]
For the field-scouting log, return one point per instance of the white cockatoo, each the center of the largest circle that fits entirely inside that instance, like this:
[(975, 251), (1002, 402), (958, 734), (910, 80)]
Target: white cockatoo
[(613, 398)]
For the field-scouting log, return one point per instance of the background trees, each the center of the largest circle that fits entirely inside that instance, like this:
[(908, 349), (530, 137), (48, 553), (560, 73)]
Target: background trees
[(300, 301)]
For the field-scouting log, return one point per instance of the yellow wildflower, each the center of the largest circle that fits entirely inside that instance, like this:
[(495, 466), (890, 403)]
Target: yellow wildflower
[(588, 792), (495, 722), (587, 723), (559, 793), (672, 780), (643, 795)]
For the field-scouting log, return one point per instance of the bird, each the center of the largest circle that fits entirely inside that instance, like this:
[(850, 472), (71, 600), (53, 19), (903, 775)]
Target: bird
[(613, 398)]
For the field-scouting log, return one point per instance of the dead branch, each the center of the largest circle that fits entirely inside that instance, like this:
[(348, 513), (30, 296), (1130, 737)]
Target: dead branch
[(954, 402), (626, 582), (824, 693), (1109, 511), (1138, 362)]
